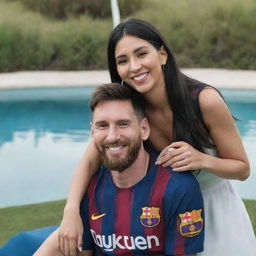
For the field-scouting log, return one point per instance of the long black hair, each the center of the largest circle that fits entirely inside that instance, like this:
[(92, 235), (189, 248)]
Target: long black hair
[(182, 91)]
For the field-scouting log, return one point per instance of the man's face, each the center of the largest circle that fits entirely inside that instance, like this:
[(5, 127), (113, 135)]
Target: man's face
[(117, 133)]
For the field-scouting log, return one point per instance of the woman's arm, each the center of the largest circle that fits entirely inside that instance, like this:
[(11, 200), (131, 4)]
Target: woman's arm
[(71, 229), (231, 163)]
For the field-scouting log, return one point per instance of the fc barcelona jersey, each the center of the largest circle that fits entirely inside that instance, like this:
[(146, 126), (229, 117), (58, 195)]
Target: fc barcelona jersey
[(160, 215)]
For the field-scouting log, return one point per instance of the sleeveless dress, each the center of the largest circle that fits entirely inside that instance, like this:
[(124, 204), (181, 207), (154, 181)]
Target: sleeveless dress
[(228, 230)]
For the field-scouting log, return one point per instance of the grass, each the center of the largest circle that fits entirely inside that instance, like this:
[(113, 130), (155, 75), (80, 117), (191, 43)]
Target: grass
[(26, 217)]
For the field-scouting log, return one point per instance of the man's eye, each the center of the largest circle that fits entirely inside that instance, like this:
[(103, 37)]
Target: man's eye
[(101, 126), (124, 124)]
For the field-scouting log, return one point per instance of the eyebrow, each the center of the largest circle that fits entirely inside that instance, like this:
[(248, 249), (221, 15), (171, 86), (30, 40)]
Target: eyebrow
[(100, 122), (136, 50)]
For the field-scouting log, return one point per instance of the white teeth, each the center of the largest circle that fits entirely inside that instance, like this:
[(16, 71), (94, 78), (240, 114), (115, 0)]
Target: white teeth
[(115, 148), (139, 77)]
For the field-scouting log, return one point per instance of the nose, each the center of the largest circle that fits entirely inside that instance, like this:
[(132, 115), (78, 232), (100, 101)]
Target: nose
[(135, 65), (113, 135)]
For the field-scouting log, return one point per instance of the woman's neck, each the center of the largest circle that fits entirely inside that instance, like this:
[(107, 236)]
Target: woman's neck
[(157, 99)]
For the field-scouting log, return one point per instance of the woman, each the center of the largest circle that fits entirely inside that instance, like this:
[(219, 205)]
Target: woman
[(192, 128)]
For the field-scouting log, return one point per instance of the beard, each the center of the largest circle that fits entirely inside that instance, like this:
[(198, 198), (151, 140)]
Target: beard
[(120, 163)]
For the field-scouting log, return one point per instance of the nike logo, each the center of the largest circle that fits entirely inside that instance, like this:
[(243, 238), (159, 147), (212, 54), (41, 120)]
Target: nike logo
[(95, 217)]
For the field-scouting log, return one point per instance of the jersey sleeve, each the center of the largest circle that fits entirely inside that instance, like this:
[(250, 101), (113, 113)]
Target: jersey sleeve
[(88, 243), (184, 217)]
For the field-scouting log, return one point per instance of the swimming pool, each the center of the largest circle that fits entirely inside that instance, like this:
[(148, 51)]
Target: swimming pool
[(44, 132)]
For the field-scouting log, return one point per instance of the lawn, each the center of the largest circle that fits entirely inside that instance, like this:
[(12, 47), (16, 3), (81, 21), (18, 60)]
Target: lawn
[(26, 217)]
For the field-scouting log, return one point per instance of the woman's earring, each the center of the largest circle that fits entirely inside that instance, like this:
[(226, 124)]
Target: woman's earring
[(122, 83)]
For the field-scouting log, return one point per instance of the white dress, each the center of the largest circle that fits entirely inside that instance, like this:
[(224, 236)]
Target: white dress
[(228, 230)]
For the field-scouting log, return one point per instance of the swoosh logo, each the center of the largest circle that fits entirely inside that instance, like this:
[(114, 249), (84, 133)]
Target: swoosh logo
[(95, 217)]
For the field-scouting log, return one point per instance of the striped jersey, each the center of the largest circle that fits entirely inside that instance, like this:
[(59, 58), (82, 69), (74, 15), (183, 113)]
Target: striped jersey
[(160, 215)]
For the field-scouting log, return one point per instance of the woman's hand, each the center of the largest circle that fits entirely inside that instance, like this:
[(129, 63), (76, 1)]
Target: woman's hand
[(70, 233), (181, 157)]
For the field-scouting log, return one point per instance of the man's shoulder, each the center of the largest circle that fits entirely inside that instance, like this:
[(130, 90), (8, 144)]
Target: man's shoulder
[(182, 181), (186, 176)]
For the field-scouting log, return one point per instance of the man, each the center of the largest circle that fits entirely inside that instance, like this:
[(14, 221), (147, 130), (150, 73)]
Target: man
[(132, 206)]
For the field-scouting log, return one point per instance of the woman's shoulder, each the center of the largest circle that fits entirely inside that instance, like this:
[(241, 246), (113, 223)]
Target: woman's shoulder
[(214, 109), (210, 99)]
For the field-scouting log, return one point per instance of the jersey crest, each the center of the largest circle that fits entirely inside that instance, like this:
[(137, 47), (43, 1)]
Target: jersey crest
[(150, 216), (191, 223)]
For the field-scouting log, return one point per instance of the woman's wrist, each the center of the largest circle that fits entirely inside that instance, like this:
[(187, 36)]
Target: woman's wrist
[(206, 162), (73, 207)]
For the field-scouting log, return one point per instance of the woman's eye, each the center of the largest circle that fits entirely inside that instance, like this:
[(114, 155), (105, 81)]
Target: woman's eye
[(121, 61), (142, 54)]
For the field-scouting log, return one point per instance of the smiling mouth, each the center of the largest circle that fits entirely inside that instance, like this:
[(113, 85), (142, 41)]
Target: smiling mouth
[(114, 148), (139, 77)]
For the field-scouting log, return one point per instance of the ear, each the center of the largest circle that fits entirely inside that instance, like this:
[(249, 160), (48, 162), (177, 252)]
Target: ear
[(145, 130), (163, 55)]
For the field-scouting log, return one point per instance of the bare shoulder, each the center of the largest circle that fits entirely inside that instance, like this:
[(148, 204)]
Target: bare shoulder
[(210, 98), (213, 107)]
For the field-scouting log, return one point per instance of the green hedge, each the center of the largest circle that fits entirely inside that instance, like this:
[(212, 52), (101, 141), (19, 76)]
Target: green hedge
[(212, 33), (201, 33), (29, 41), (62, 9)]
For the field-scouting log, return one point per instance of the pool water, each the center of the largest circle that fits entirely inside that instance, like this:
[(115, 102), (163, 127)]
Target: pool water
[(41, 142)]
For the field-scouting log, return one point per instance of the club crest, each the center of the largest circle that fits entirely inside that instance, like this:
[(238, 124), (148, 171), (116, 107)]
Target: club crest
[(150, 216), (191, 223)]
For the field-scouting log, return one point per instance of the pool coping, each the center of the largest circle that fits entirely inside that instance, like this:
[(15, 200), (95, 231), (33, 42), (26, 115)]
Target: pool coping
[(220, 78)]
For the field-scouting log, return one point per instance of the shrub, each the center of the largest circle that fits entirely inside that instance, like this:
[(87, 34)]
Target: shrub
[(76, 44), (81, 45), (22, 51), (211, 33), (62, 9)]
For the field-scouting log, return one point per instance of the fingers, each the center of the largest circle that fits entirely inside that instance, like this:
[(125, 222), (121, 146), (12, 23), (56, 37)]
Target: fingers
[(67, 245), (176, 161), (66, 248), (72, 247), (181, 157), (80, 243), (61, 243), (167, 156), (176, 155)]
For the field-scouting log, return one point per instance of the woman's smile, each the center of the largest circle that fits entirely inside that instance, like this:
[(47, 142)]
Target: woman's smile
[(139, 63)]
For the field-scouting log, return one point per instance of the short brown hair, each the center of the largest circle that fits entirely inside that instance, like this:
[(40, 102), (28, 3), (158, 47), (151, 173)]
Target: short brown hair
[(116, 91)]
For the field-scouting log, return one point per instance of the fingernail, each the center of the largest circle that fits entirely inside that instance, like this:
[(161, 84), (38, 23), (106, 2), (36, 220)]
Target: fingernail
[(80, 249)]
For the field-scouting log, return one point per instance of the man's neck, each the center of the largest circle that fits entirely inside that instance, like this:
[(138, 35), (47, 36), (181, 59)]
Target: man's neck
[(134, 173)]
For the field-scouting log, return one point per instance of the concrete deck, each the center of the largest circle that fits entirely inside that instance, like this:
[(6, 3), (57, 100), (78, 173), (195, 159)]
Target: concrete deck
[(220, 78)]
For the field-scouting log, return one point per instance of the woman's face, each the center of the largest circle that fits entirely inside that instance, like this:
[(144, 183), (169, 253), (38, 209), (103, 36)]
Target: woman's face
[(139, 63)]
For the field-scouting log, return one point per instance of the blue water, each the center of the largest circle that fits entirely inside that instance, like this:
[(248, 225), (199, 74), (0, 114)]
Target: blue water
[(41, 141)]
